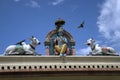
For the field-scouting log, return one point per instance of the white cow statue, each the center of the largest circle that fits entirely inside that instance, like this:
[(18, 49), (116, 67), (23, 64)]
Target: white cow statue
[(97, 50), (23, 48)]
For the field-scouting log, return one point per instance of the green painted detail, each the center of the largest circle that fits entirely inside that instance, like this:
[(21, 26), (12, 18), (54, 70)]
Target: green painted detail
[(51, 46), (19, 48)]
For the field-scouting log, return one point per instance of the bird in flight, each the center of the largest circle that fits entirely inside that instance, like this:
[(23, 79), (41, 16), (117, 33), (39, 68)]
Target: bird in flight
[(81, 25)]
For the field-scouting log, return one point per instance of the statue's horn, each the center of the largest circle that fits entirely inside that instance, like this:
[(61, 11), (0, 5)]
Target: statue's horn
[(92, 38), (32, 36)]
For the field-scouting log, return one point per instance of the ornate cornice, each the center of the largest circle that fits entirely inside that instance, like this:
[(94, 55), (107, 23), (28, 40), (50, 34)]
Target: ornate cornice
[(71, 64)]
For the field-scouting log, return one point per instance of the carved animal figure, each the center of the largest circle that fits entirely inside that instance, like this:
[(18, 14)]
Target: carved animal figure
[(23, 48), (97, 50)]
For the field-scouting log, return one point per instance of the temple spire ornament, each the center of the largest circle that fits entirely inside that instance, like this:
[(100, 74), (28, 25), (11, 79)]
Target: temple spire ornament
[(59, 23)]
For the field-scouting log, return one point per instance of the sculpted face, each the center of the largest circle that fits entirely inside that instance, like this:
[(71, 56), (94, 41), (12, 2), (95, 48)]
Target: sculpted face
[(35, 40), (60, 33), (90, 41)]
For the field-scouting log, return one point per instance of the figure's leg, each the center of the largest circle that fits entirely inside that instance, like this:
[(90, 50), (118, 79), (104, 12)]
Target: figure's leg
[(57, 48), (64, 48), (55, 52), (68, 51), (10, 52), (29, 52)]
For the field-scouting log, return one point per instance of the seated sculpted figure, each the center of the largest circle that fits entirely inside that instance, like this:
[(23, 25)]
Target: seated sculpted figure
[(60, 44)]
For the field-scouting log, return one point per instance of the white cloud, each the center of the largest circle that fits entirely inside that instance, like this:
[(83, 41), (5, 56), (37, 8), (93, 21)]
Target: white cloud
[(33, 4), (2, 54), (109, 21), (84, 51), (56, 2)]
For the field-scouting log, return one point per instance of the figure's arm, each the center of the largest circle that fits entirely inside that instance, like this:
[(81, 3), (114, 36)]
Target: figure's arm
[(55, 42), (65, 40)]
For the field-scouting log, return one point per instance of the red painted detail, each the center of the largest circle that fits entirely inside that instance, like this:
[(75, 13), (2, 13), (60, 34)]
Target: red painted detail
[(104, 49)]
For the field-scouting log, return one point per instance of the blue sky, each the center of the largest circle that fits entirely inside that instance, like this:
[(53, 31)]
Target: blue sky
[(20, 19)]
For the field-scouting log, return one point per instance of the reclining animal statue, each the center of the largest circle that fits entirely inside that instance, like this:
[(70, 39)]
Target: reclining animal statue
[(21, 48), (97, 50)]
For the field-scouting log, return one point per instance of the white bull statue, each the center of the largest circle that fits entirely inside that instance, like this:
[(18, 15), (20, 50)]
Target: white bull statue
[(22, 48), (97, 50)]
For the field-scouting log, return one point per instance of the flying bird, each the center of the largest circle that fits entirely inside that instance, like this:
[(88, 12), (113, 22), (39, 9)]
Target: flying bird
[(81, 25)]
